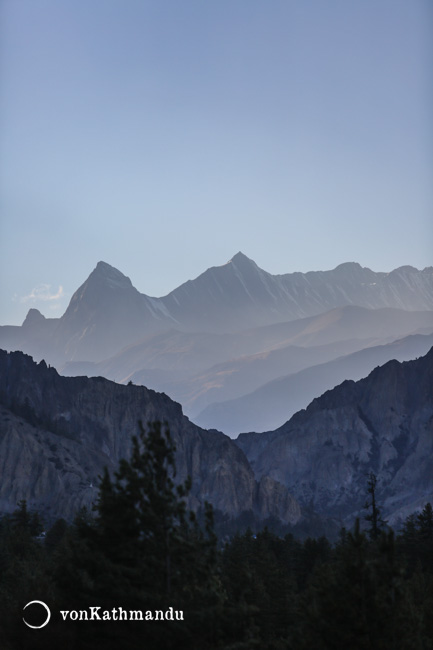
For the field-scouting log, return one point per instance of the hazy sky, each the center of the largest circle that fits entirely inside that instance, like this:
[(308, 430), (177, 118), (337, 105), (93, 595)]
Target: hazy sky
[(164, 136)]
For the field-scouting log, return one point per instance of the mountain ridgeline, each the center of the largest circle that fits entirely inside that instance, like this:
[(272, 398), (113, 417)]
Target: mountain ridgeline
[(239, 348), (107, 313)]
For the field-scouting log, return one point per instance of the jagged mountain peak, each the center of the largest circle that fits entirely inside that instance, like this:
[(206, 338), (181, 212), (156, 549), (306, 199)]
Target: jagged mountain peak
[(407, 269), (348, 265), (240, 258), (104, 267), (110, 275), (33, 317), (103, 280), (354, 270), (241, 264)]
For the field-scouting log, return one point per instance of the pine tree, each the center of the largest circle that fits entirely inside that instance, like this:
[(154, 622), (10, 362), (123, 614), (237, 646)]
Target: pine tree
[(374, 515), (425, 522), (425, 537), (26, 521), (142, 514), (144, 550), (359, 601)]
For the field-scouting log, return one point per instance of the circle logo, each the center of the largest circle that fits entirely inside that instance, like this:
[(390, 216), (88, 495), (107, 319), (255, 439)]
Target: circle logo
[(37, 602)]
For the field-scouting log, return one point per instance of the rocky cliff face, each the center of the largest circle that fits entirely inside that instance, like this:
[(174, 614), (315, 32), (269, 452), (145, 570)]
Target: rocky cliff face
[(383, 424), (57, 433)]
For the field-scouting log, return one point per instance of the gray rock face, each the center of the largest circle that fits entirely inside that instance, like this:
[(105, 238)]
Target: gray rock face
[(383, 423), (57, 433)]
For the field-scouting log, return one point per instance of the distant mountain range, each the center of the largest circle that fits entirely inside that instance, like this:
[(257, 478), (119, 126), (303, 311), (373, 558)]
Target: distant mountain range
[(230, 332), (107, 313)]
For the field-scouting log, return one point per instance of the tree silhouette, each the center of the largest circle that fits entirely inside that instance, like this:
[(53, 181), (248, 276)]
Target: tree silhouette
[(373, 516), (144, 549)]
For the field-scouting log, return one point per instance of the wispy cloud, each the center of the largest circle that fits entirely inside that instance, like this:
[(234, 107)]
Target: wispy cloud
[(42, 292)]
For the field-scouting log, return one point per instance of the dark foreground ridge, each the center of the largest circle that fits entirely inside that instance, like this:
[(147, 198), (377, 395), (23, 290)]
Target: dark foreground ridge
[(57, 434)]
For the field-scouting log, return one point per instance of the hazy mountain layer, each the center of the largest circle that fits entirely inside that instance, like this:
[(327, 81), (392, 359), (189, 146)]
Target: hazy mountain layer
[(107, 313), (383, 423), (240, 376), (192, 352), (275, 402), (185, 365)]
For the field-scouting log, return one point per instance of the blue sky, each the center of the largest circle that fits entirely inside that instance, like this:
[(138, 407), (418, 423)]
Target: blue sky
[(163, 136)]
